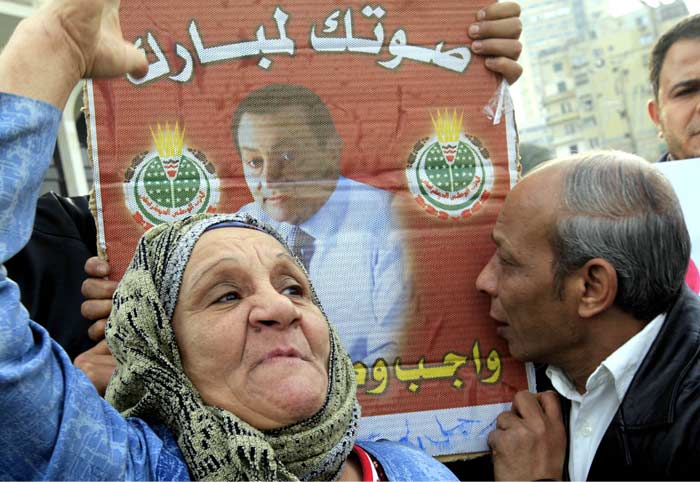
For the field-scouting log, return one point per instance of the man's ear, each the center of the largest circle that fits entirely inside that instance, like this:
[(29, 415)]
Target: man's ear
[(334, 144), (599, 280), (654, 114)]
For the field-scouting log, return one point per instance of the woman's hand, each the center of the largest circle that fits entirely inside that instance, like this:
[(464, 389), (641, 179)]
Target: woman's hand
[(62, 42)]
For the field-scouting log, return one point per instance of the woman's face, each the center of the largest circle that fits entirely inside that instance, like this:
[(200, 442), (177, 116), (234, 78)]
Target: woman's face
[(250, 338)]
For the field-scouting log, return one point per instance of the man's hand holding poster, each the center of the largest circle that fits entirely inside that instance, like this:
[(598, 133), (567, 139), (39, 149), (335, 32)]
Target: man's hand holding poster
[(358, 131)]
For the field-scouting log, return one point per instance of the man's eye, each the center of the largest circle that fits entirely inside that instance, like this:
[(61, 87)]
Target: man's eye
[(255, 163), (229, 297), (505, 261)]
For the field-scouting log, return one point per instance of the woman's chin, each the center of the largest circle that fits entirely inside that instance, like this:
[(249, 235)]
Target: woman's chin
[(289, 399)]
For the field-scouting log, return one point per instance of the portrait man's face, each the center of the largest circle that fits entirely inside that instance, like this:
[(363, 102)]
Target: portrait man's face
[(289, 171), (677, 110)]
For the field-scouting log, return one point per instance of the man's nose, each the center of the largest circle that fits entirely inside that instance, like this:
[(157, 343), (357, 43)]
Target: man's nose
[(273, 171), (486, 281), (272, 309)]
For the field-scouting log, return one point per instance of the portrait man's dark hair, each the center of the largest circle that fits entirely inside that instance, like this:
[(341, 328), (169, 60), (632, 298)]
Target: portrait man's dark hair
[(275, 97), (687, 29)]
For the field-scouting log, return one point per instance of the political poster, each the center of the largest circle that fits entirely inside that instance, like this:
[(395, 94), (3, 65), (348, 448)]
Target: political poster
[(378, 146)]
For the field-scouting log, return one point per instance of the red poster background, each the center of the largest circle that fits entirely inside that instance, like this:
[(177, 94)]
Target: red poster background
[(379, 113)]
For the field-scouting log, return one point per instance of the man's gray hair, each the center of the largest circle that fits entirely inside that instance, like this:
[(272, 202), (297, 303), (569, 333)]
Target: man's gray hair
[(618, 207)]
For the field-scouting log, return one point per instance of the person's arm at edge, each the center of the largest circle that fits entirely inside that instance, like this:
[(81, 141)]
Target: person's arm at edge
[(43, 400)]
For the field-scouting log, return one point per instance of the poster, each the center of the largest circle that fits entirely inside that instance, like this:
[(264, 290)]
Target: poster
[(684, 175), (358, 130)]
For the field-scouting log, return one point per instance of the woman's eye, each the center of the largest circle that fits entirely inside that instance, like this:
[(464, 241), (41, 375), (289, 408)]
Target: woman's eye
[(294, 290), (228, 297)]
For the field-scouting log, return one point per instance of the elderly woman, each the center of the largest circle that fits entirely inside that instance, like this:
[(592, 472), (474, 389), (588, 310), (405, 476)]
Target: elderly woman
[(227, 367)]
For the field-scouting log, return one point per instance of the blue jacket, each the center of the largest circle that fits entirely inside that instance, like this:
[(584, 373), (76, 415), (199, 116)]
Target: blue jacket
[(55, 426)]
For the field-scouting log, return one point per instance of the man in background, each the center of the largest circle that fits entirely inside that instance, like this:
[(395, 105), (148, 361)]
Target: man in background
[(674, 72)]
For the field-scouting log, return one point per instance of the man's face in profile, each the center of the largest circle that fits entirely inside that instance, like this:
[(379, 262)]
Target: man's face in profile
[(289, 172)]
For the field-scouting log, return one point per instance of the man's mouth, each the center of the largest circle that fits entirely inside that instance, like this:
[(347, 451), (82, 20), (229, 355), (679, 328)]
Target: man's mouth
[(501, 325), (276, 198)]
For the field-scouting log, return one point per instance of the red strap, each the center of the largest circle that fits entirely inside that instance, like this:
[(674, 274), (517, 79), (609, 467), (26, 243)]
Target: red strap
[(369, 474)]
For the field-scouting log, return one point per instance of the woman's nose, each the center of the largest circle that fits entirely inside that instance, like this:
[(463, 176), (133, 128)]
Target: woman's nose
[(272, 309)]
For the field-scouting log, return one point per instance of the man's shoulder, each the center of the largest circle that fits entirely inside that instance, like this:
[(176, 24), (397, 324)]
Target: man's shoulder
[(401, 462), (366, 192)]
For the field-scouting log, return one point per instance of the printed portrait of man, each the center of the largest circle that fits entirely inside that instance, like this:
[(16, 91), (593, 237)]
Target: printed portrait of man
[(341, 229)]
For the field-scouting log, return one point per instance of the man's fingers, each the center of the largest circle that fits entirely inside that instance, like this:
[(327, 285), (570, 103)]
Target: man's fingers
[(499, 10), (96, 267), (96, 309), (96, 332), (98, 288), (509, 69), (507, 28), (526, 405), (506, 420), (496, 47), (549, 401), (98, 364)]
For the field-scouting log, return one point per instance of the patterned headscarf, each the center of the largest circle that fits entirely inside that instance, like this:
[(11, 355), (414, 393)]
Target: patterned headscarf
[(150, 382)]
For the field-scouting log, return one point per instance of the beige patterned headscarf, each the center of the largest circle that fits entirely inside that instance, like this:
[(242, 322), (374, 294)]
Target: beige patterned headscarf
[(150, 382)]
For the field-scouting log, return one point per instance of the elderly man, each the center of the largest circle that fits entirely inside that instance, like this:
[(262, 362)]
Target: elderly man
[(674, 71), (590, 283)]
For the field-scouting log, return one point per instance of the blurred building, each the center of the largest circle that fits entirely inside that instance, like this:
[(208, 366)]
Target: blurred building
[(586, 83)]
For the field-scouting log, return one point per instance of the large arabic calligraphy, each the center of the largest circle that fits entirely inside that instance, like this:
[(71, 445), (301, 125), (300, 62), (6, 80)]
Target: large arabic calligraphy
[(456, 59), (447, 370)]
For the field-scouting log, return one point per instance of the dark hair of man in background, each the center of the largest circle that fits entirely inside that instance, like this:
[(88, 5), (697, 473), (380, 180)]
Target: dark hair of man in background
[(687, 29)]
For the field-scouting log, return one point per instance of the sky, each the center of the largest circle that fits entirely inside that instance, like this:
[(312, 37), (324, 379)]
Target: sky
[(620, 7)]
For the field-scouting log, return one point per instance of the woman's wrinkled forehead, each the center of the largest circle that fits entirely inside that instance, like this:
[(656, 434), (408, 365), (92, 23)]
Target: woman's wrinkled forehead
[(183, 236)]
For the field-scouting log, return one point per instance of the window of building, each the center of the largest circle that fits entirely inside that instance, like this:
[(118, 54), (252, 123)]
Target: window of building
[(589, 122), (573, 149), (561, 87), (557, 67)]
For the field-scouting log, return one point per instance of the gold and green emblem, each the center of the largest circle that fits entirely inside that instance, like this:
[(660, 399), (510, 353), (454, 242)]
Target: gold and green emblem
[(172, 182), (449, 174)]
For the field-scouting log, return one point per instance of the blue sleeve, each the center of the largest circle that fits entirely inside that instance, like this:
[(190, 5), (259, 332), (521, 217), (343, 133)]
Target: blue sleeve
[(54, 425), (401, 462)]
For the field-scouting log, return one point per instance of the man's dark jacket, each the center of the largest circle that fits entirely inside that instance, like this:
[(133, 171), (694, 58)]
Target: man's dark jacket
[(49, 269), (655, 434)]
